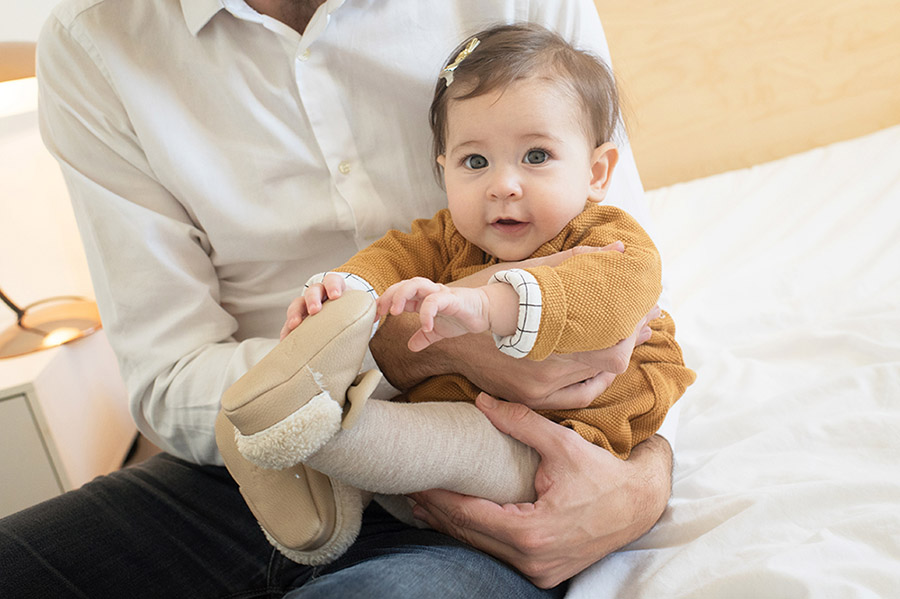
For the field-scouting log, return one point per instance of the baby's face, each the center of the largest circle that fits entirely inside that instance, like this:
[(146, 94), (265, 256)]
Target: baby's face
[(518, 166)]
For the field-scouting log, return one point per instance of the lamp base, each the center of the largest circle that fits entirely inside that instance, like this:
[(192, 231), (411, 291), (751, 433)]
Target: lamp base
[(49, 323)]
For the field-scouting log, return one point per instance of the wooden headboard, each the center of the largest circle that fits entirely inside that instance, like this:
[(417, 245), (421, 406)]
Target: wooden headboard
[(713, 85)]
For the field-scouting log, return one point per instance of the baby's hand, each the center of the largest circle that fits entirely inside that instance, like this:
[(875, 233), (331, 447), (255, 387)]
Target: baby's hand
[(331, 287), (443, 311)]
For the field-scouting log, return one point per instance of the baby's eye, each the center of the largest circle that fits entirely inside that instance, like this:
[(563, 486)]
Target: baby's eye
[(475, 161), (536, 157)]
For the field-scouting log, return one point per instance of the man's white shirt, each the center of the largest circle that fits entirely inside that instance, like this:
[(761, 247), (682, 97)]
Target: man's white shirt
[(217, 159)]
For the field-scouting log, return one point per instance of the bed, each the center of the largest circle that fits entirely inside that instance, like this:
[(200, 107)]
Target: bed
[(768, 137), (787, 300)]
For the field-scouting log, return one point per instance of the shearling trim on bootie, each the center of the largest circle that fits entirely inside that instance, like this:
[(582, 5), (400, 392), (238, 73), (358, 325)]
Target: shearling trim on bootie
[(350, 503), (296, 437)]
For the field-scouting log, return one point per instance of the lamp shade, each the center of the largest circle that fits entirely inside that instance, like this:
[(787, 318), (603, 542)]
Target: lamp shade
[(47, 323), (40, 250)]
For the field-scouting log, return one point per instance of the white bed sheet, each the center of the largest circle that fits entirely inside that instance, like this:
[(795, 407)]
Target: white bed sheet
[(786, 294)]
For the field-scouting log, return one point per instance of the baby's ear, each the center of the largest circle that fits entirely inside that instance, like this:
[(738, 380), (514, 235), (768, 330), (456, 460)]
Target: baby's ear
[(441, 171), (603, 162)]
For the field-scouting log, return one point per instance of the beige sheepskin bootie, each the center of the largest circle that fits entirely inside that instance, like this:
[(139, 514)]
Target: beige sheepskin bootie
[(292, 402), (286, 408), (310, 518)]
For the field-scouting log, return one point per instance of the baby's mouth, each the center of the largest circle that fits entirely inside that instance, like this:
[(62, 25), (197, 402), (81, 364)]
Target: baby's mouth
[(509, 225)]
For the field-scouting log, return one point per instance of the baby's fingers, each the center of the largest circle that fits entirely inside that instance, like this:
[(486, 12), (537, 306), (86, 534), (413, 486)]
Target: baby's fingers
[(427, 311), (296, 312), (314, 296), (385, 301), (431, 306), (334, 285), (405, 296)]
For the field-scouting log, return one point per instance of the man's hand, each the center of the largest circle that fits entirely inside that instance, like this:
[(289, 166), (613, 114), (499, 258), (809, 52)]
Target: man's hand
[(562, 381), (589, 502)]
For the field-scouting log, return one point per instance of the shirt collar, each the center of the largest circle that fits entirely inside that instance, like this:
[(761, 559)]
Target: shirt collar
[(197, 13)]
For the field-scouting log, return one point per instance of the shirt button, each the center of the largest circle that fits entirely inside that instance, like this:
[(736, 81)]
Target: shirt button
[(344, 167), (304, 56)]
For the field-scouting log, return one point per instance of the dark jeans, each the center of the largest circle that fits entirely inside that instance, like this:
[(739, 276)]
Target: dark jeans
[(167, 529)]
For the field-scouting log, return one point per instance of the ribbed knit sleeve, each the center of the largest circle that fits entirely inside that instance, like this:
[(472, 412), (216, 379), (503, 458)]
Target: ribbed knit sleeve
[(594, 300), (423, 252)]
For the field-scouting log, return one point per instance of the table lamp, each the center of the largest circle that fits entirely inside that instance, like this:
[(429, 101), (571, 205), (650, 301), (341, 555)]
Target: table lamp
[(49, 322)]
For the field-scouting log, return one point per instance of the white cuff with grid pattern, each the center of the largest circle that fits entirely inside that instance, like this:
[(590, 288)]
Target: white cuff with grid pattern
[(520, 343)]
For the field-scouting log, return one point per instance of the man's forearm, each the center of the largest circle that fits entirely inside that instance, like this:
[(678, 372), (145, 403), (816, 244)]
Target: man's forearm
[(649, 485), (402, 367), (543, 385), (473, 356)]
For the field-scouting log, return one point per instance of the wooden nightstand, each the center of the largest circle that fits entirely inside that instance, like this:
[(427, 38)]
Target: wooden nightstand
[(63, 420)]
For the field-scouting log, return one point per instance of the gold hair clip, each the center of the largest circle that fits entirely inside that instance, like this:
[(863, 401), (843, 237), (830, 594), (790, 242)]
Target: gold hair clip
[(447, 73)]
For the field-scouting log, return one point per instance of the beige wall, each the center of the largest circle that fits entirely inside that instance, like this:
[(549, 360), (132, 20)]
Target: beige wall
[(714, 85), (22, 19)]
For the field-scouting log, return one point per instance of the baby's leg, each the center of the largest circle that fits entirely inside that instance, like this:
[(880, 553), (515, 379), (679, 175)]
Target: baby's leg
[(399, 448)]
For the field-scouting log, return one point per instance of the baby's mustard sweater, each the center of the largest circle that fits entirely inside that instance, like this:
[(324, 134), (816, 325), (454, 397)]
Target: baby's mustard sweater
[(590, 301)]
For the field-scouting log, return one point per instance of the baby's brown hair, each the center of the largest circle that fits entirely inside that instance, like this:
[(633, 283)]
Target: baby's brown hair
[(508, 53)]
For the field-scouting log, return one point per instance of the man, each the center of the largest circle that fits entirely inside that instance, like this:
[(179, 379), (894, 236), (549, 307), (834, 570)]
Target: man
[(216, 157)]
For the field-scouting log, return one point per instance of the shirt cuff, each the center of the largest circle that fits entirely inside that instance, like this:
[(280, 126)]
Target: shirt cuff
[(520, 343)]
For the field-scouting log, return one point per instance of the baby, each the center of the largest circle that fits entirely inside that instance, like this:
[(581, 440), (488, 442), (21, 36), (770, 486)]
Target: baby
[(522, 126)]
